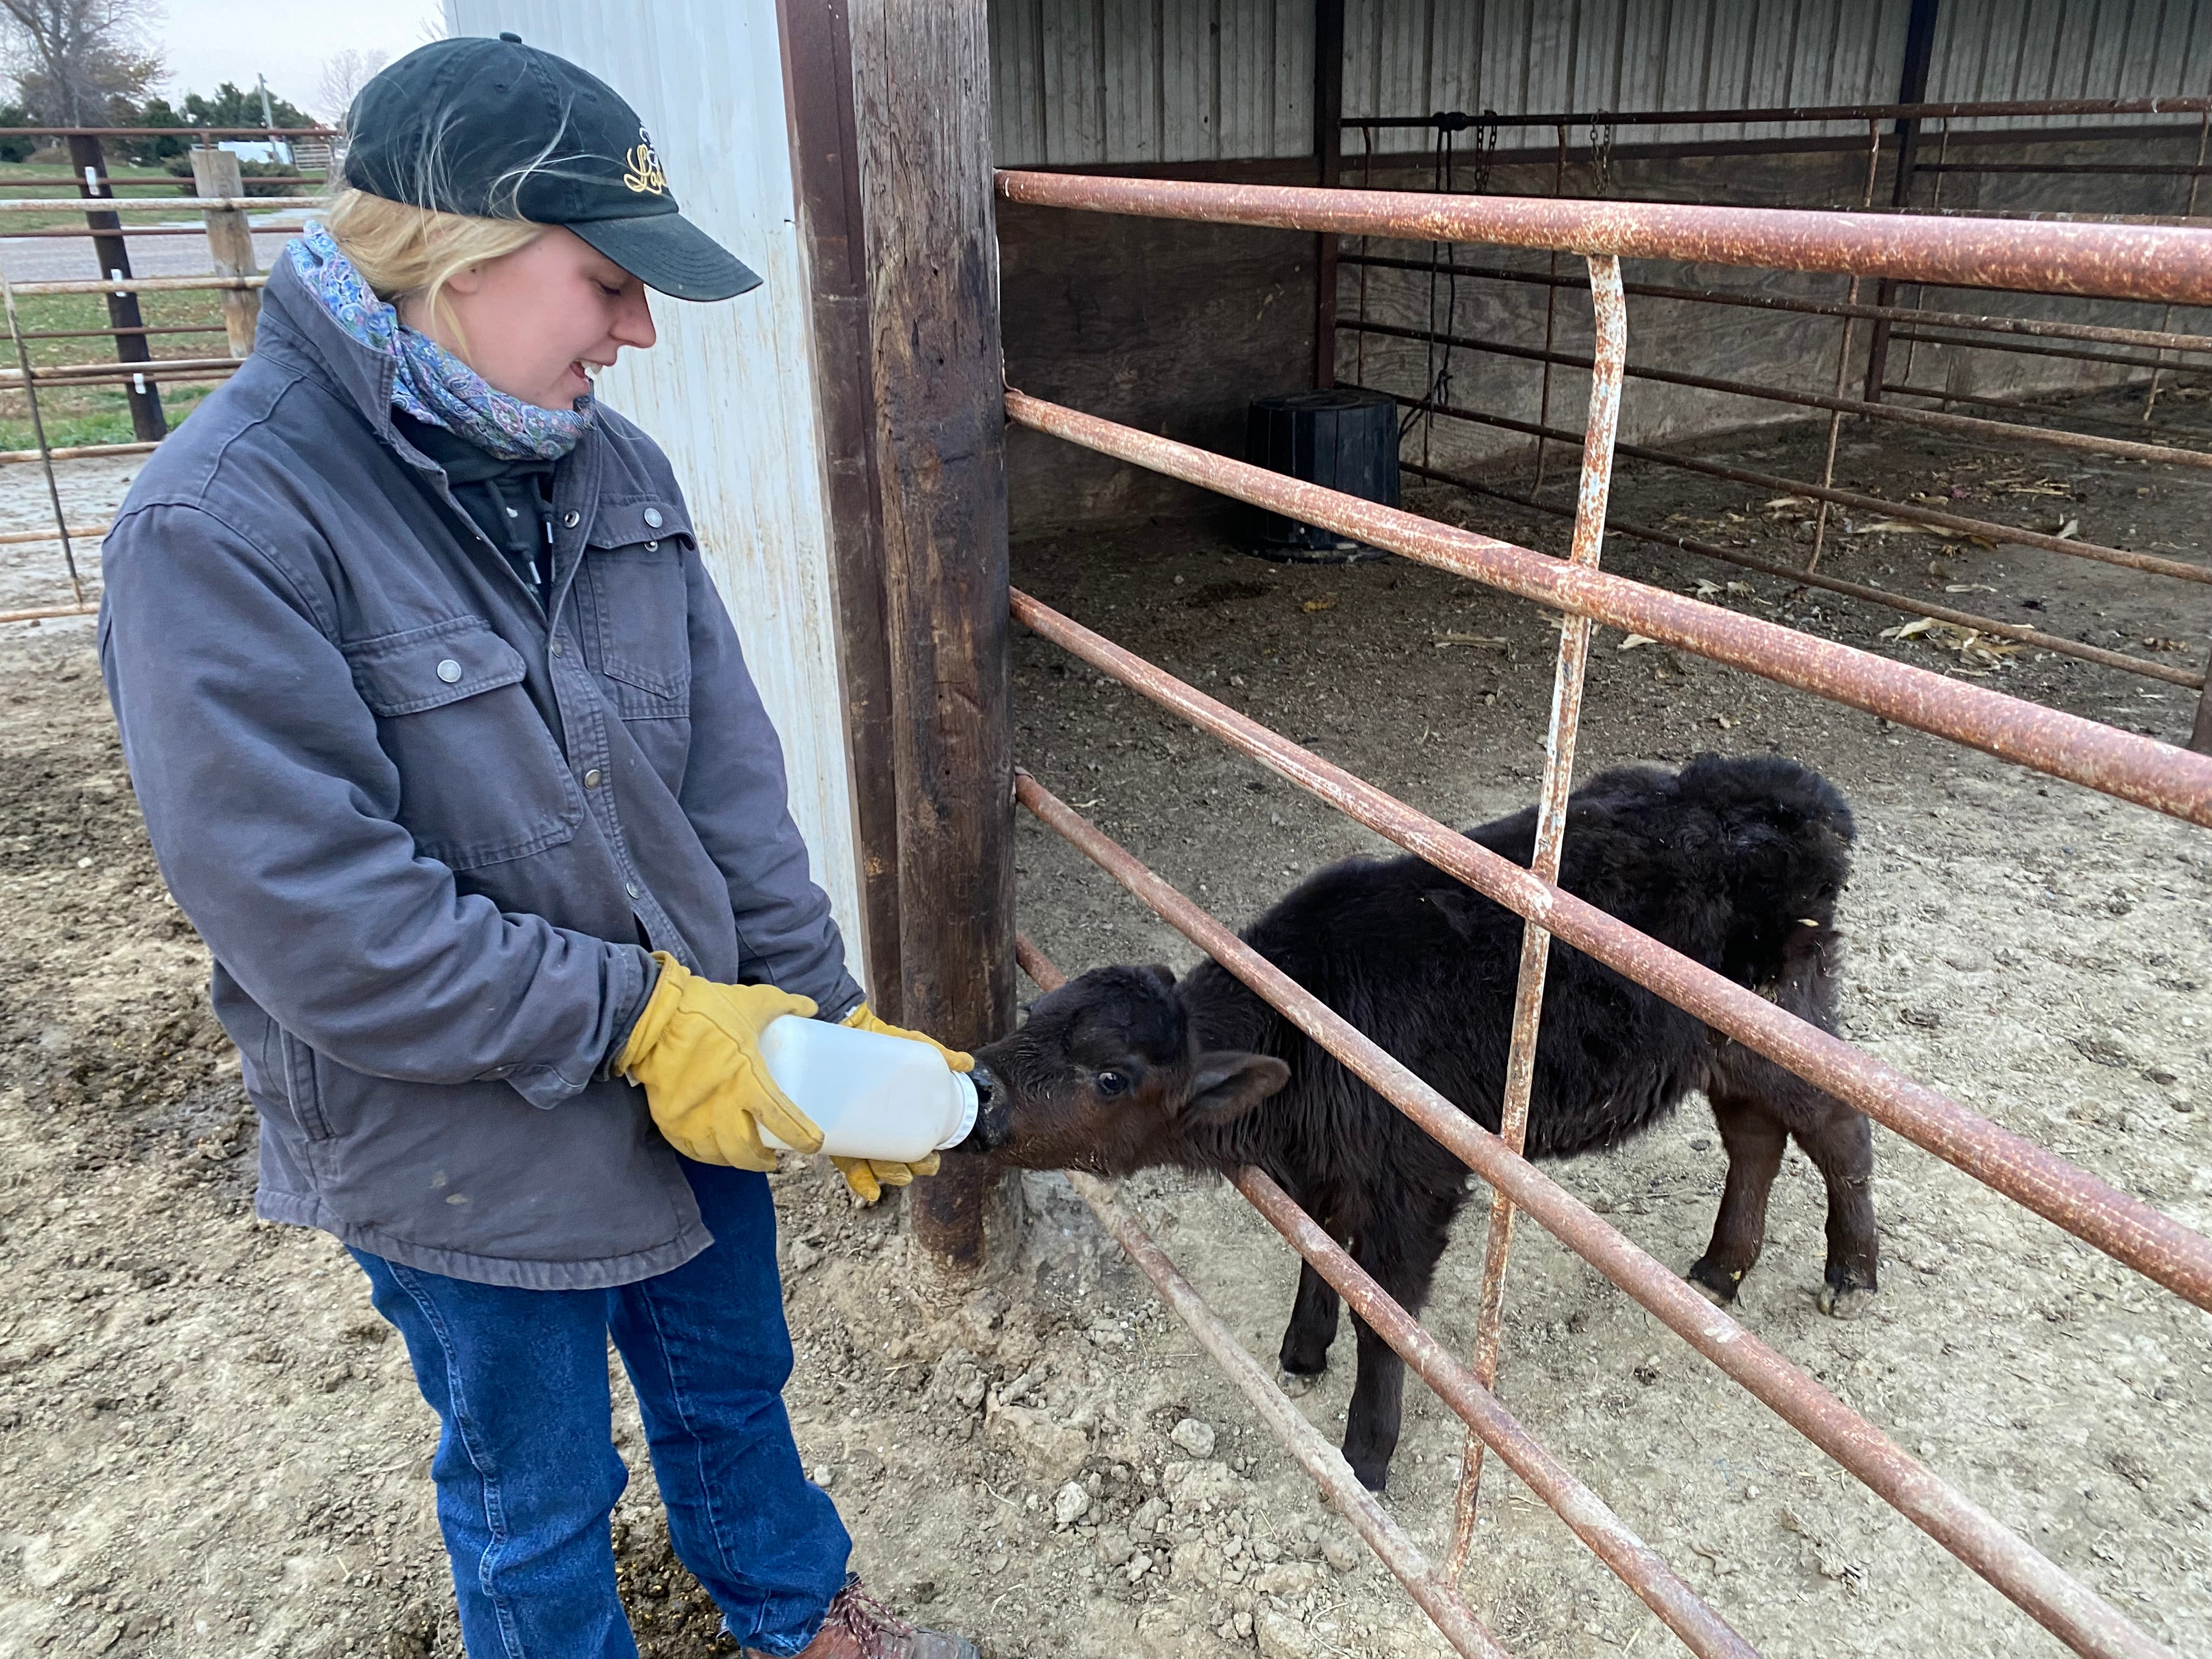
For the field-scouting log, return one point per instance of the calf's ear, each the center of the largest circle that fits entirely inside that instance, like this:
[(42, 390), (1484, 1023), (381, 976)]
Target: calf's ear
[(1162, 972), (1227, 1084)]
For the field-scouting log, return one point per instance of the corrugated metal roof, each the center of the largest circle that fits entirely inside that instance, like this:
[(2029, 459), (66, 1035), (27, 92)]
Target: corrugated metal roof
[(1092, 82)]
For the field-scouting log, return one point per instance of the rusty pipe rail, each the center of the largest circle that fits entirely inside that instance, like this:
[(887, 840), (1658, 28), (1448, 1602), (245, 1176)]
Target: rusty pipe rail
[(1988, 529), (133, 331), (1972, 425), (2069, 354), (62, 373), (76, 452), (1790, 114), (2120, 262), (121, 374), (1882, 596), (172, 202), (1635, 1562), (77, 532), (128, 231), (1610, 312), (2038, 326), (2140, 769), (143, 284), (2118, 1223), (2131, 169), (1441, 1602), (2077, 1615)]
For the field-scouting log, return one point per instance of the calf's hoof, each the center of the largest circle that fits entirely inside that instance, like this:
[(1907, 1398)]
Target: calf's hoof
[(1372, 1473), (1716, 1285), (1844, 1301), (1304, 1357), (1296, 1384)]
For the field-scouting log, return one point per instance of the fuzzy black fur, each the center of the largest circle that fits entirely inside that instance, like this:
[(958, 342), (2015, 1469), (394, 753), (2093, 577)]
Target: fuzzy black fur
[(1736, 863)]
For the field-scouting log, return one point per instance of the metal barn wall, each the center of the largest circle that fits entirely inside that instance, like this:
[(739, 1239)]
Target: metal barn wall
[(1079, 82), (1988, 50), (1084, 82), (729, 392), (1520, 56)]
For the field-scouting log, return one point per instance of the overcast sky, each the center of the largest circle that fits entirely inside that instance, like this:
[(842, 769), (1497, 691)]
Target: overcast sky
[(208, 41)]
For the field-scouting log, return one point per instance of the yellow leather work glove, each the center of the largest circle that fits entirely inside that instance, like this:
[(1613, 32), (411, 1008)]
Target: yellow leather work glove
[(696, 1050), (868, 1177)]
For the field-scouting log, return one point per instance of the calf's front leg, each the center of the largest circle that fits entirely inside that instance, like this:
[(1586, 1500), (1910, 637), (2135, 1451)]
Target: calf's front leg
[(1754, 1139), (1841, 1146), (1312, 1328), (1400, 1252), (1376, 1412)]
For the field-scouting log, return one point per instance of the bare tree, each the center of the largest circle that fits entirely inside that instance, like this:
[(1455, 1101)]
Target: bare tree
[(344, 74), (73, 59)]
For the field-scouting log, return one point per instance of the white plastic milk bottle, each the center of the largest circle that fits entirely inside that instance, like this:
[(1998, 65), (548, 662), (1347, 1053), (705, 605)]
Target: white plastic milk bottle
[(871, 1096)]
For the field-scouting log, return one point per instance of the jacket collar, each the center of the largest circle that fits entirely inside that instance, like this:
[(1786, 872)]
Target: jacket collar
[(295, 328), (293, 325)]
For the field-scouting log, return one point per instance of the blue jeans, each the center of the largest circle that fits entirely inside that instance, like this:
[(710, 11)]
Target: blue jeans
[(526, 1470)]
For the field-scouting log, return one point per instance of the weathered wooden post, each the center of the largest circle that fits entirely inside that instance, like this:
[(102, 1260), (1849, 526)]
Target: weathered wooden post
[(230, 243), (89, 163), (893, 153)]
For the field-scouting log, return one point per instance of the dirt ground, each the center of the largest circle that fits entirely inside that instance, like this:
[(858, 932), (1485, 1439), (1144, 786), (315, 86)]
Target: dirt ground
[(207, 1446)]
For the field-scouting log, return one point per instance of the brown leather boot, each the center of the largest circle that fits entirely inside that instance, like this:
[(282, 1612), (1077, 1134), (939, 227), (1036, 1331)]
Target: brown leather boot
[(858, 1627)]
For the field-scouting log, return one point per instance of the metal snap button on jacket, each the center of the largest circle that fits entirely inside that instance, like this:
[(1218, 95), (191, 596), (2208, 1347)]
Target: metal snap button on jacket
[(630, 887), (572, 518), (592, 780), (555, 648), (653, 518), (449, 671)]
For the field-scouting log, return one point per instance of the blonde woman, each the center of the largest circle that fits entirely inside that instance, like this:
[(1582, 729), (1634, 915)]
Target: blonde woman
[(448, 750)]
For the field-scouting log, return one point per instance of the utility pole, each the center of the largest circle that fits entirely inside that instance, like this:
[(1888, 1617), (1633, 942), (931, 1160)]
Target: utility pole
[(276, 147)]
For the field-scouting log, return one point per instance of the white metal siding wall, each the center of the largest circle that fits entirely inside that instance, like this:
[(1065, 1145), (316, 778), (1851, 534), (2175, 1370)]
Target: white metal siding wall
[(729, 392), (1089, 82)]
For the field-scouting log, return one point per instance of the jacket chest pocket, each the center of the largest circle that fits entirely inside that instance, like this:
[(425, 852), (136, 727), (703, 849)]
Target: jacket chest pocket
[(480, 780), (635, 611)]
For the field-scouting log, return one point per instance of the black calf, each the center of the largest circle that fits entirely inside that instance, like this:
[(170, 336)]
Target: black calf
[(1736, 863)]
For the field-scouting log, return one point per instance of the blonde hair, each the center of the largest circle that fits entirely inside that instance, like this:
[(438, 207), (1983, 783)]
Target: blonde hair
[(407, 253)]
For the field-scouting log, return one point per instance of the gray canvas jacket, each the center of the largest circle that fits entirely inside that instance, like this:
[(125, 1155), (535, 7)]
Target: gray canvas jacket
[(429, 840)]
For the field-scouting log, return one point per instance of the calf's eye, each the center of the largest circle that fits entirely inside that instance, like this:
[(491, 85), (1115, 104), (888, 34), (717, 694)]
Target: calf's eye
[(1111, 1083)]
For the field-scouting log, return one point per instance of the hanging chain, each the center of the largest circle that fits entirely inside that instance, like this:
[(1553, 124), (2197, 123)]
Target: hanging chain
[(1601, 156), (1437, 379), (1486, 149)]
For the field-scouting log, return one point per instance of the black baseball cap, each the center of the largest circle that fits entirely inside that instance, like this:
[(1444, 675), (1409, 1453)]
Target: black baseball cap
[(498, 129)]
